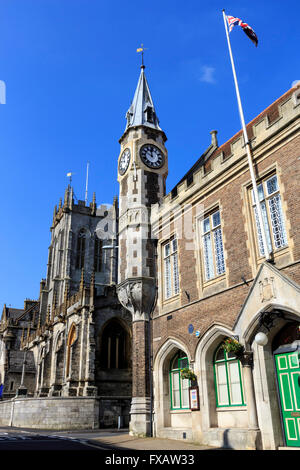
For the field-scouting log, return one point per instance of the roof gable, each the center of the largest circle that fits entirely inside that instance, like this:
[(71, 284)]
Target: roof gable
[(270, 289)]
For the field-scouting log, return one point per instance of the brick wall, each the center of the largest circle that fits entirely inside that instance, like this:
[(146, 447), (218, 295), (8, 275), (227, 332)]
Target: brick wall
[(222, 302), (140, 359)]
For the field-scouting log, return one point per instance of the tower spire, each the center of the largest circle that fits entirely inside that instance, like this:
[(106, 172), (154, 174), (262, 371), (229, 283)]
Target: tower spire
[(142, 111)]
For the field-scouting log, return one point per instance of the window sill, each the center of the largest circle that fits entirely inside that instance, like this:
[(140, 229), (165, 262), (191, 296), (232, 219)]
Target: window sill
[(180, 410), (171, 299), (220, 278), (232, 408), (276, 253)]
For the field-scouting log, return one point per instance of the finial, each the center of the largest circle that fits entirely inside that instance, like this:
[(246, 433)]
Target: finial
[(92, 288), (71, 198), (48, 315), (66, 292), (66, 199), (93, 205), (39, 322), (54, 300), (142, 49), (60, 203), (54, 212)]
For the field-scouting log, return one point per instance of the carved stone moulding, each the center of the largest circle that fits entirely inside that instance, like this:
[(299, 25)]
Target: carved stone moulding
[(137, 295)]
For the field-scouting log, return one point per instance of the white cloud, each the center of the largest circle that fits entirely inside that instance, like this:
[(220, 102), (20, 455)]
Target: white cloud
[(207, 74)]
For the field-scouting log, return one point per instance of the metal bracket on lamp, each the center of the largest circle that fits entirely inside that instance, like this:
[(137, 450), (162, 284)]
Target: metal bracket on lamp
[(267, 318)]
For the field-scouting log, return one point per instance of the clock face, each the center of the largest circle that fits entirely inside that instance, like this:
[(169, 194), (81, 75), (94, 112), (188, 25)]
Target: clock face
[(124, 161), (152, 156)]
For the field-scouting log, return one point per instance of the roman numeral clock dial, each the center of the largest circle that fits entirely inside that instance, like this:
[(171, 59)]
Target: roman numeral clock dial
[(152, 156), (124, 161)]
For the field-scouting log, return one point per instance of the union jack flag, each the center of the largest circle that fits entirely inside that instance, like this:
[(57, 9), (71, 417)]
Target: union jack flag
[(232, 21)]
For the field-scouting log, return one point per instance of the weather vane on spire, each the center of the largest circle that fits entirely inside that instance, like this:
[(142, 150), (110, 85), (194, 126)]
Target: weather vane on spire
[(142, 49)]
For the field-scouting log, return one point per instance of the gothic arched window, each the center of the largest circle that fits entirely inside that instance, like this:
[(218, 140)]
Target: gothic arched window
[(80, 252), (179, 387), (228, 379), (60, 253), (114, 352), (98, 255)]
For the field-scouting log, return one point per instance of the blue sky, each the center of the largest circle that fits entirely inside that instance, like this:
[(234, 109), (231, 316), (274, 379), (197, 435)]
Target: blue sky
[(70, 68)]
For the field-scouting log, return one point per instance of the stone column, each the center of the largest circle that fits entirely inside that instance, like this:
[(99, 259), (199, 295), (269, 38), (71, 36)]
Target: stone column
[(137, 295), (247, 362)]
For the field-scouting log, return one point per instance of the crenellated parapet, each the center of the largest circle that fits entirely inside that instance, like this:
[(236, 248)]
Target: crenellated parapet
[(70, 206), (265, 131)]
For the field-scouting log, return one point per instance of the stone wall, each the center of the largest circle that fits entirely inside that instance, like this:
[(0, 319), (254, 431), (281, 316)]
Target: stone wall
[(50, 413)]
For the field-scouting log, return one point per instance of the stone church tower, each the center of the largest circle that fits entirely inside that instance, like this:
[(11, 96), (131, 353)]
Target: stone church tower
[(142, 171)]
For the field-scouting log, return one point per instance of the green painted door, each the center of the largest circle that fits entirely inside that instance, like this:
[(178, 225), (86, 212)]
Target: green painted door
[(288, 373)]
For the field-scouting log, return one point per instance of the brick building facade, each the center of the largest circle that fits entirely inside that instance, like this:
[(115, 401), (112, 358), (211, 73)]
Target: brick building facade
[(217, 296), (209, 328), (220, 286)]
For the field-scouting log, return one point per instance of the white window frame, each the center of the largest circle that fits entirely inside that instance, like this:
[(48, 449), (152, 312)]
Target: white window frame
[(170, 268), (212, 246), (273, 217)]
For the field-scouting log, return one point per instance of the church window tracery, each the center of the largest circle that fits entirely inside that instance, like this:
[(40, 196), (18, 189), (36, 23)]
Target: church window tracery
[(80, 253), (114, 347), (98, 255)]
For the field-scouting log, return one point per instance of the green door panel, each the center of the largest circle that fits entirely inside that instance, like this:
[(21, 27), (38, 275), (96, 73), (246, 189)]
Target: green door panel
[(288, 373)]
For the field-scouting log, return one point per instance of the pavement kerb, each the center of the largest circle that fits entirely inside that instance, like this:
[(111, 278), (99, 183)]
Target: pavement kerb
[(148, 443)]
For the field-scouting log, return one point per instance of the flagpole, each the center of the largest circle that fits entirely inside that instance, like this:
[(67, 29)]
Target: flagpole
[(86, 182), (248, 148)]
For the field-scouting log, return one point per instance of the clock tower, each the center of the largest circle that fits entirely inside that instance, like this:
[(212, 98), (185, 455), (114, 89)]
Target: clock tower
[(142, 171)]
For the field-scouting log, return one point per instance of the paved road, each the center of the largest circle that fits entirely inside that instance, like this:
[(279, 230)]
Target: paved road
[(24, 440)]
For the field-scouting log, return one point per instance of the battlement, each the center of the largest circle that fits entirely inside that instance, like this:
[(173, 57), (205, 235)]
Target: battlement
[(69, 205), (81, 207), (269, 124)]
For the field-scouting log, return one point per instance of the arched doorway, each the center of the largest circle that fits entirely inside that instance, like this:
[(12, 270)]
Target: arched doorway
[(286, 351)]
